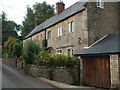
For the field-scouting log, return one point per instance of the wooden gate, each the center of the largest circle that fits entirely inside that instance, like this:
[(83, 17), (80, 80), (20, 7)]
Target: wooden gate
[(96, 71)]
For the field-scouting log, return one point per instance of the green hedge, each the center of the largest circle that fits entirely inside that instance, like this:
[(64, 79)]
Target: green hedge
[(45, 59)]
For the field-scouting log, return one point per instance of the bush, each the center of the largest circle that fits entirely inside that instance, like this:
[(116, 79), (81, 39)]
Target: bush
[(45, 59), (30, 51), (71, 62), (59, 60), (42, 59), (17, 49), (8, 45)]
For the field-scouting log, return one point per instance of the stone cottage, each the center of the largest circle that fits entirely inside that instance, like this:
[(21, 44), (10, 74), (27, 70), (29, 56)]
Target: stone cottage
[(76, 27)]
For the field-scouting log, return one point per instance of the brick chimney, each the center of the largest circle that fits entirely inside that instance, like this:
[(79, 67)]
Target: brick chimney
[(60, 6)]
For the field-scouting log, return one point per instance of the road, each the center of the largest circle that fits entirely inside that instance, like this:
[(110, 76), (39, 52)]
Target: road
[(14, 79)]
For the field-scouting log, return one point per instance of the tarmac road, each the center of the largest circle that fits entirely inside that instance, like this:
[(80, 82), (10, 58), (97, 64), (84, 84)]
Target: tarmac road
[(14, 79)]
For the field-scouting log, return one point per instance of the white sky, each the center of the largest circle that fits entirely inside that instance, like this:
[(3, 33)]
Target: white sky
[(16, 9)]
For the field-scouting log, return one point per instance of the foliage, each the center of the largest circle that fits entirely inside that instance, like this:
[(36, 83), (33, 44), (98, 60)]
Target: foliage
[(45, 59), (28, 23), (71, 62), (9, 28), (8, 45), (36, 15), (30, 50), (17, 49)]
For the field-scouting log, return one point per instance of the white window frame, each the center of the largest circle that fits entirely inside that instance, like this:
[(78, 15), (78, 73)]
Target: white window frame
[(72, 26), (100, 4), (49, 34), (69, 27), (60, 31)]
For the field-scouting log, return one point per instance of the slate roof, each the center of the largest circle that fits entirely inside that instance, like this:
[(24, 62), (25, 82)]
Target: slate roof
[(109, 44), (75, 8)]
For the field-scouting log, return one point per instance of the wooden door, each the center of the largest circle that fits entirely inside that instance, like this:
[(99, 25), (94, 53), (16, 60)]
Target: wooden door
[(96, 71)]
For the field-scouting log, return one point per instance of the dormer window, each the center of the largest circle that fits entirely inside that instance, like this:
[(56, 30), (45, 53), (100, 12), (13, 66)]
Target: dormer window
[(100, 4)]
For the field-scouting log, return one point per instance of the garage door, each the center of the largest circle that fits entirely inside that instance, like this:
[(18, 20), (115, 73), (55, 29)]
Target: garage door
[(96, 71)]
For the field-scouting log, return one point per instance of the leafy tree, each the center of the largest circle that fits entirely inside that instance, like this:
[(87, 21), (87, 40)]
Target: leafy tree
[(36, 15), (9, 28), (28, 23), (8, 45), (43, 11)]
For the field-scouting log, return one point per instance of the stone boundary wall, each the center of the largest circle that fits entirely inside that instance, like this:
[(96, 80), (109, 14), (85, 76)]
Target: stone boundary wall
[(64, 75)]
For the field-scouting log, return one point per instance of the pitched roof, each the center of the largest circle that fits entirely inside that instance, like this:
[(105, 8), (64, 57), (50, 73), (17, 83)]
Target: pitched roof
[(75, 8), (109, 44)]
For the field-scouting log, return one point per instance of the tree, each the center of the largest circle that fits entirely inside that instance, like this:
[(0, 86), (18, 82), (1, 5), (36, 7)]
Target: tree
[(28, 23), (30, 50), (8, 45), (9, 28), (36, 15), (43, 11)]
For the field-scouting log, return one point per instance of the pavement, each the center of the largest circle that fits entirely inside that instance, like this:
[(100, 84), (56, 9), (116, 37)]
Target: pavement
[(63, 85)]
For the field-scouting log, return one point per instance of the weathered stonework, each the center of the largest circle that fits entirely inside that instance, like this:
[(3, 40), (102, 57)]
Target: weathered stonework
[(102, 22), (60, 74), (114, 70), (65, 75), (70, 40)]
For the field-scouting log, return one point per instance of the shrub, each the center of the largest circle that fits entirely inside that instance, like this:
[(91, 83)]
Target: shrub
[(8, 45), (17, 49), (42, 59), (30, 51), (71, 62), (45, 59), (59, 60)]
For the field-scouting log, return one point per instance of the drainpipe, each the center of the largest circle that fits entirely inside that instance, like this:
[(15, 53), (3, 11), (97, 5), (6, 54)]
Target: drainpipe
[(45, 34)]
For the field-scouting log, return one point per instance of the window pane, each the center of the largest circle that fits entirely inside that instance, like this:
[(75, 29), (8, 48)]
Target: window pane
[(69, 29), (49, 34), (100, 3), (72, 26), (58, 32)]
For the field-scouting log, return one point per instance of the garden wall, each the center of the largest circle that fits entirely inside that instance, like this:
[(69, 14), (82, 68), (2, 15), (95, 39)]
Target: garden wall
[(60, 74)]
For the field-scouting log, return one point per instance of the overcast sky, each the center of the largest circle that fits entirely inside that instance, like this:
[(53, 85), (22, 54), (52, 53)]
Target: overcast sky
[(16, 9)]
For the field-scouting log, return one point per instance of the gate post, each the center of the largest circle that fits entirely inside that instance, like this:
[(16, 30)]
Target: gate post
[(114, 70)]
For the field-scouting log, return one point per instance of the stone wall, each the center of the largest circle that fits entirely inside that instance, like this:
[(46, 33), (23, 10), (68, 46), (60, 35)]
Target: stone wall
[(65, 75), (68, 75), (9, 62), (114, 70)]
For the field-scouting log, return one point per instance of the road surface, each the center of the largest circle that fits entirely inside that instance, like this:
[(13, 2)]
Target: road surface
[(14, 79)]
